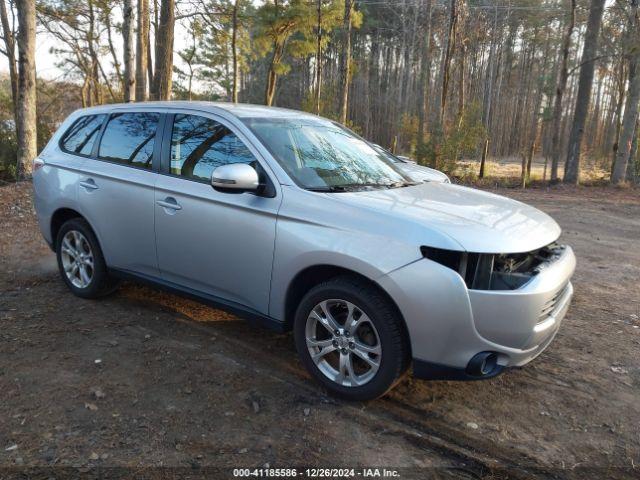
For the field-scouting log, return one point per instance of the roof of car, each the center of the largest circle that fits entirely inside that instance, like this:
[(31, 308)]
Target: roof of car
[(243, 110)]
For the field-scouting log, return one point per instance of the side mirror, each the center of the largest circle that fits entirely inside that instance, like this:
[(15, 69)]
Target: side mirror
[(237, 177)]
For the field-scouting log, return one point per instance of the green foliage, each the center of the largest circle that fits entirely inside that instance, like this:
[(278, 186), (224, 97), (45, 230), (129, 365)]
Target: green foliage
[(408, 132), (8, 143), (463, 140), (277, 23), (426, 153), (357, 18), (8, 150), (290, 27)]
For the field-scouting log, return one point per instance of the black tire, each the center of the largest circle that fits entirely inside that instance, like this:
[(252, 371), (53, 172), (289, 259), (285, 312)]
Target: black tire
[(101, 283), (387, 321)]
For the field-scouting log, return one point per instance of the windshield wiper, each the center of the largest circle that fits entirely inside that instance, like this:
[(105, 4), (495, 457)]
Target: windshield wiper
[(347, 187), (402, 184), (356, 186), (327, 189)]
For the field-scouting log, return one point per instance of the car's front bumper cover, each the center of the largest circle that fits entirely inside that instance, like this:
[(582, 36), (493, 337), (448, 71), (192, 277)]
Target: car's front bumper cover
[(449, 324)]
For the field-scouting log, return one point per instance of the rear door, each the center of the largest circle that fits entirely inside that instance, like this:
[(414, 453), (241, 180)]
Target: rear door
[(213, 242), (116, 190), (56, 184)]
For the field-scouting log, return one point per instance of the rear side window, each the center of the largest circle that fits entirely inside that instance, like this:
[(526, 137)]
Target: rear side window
[(82, 135), (129, 139), (200, 144)]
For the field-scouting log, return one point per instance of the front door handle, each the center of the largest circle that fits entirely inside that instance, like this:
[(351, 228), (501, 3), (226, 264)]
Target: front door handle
[(89, 184), (169, 203)]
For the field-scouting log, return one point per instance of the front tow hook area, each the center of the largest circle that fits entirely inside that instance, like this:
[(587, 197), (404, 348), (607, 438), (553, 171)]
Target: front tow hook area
[(484, 365)]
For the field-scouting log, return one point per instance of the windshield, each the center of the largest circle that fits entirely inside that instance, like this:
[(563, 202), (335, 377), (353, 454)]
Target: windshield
[(388, 155), (319, 154)]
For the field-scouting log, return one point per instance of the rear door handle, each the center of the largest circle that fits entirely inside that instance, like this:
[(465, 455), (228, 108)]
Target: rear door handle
[(169, 203), (89, 184)]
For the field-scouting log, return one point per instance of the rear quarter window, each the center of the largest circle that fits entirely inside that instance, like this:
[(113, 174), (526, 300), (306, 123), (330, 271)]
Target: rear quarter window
[(81, 136)]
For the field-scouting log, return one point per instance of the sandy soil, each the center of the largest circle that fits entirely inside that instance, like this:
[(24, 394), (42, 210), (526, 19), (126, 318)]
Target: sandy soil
[(144, 379)]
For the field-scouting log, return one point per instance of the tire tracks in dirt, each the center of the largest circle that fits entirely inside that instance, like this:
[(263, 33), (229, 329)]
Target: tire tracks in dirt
[(471, 457)]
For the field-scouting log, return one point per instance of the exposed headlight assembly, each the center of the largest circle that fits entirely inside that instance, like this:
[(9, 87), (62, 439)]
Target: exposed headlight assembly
[(488, 271)]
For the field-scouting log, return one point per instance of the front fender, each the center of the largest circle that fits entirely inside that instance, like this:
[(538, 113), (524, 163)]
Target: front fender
[(434, 302), (303, 245)]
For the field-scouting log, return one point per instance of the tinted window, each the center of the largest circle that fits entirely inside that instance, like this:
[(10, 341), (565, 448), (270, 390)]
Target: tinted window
[(129, 138), (199, 145), (82, 134)]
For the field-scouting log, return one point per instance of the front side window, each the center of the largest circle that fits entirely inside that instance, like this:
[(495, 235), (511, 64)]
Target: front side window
[(321, 155), (199, 145), (129, 138), (81, 136)]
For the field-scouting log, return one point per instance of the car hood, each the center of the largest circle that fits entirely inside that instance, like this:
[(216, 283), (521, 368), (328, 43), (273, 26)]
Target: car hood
[(478, 221), (422, 174)]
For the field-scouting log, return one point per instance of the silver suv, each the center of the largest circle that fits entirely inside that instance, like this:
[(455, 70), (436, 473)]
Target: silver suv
[(294, 221)]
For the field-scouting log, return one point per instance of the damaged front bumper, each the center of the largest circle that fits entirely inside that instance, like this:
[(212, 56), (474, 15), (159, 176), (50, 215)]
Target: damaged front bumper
[(462, 333)]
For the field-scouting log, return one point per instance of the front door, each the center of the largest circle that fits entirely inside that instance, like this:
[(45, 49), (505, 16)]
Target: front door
[(213, 242)]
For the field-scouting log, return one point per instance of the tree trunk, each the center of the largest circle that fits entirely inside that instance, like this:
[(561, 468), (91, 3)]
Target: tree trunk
[(617, 118), (26, 123), (345, 62), (93, 55), (234, 53), (142, 40), (450, 48), (423, 87), (628, 123), (318, 56), (128, 33), (633, 156), (150, 54), (164, 52), (10, 47), (462, 64), (487, 110), (483, 161), (83, 92), (560, 88), (572, 165), (112, 48), (272, 76), (532, 151)]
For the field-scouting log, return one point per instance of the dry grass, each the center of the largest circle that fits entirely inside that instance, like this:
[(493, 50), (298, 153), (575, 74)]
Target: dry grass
[(507, 172)]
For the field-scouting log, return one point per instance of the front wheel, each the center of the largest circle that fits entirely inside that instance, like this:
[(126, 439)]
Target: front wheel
[(350, 338)]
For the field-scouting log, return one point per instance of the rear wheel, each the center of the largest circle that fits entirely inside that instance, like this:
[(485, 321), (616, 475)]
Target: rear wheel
[(80, 260), (350, 338)]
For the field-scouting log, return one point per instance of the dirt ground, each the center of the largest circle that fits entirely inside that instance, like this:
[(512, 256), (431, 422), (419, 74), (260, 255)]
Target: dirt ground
[(145, 379)]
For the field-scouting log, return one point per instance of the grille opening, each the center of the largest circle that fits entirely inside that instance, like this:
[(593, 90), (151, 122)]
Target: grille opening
[(550, 306)]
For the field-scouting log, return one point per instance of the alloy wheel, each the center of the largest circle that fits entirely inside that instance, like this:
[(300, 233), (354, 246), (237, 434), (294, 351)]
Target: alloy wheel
[(343, 342), (77, 259)]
